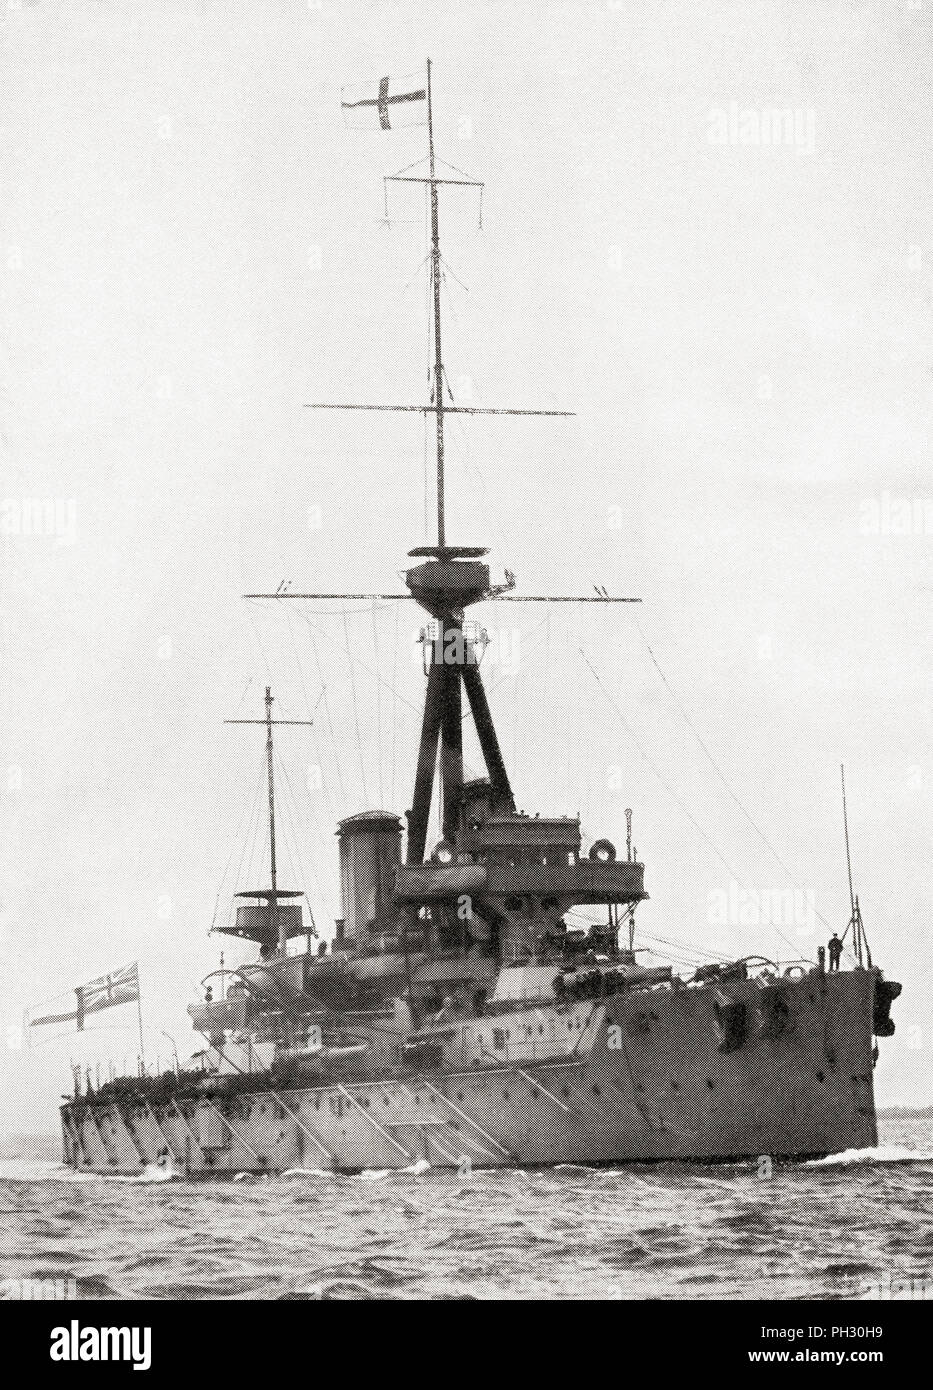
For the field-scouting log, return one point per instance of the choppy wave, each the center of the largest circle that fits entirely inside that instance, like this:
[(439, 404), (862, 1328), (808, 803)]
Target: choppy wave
[(842, 1227)]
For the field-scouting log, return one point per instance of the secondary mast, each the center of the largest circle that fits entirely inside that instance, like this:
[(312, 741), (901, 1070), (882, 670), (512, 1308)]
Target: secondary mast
[(278, 926), (271, 778)]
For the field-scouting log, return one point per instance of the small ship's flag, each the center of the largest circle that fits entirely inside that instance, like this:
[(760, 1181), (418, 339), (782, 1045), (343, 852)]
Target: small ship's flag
[(386, 104), (106, 992)]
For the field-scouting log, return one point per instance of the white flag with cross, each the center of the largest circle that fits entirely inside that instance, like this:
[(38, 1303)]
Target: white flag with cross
[(387, 104)]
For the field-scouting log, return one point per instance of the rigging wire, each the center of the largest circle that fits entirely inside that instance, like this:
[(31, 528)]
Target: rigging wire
[(684, 945), (678, 943), (252, 830), (330, 722), (466, 289), (378, 713), (394, 706), (290, 803), (245, 812), (294, 816), (262, 650), (693, 729), (356, 710), (376, 675), (256, 857), (289, 845), (473, 470), (311, 712), (253, 818), (673, 794)]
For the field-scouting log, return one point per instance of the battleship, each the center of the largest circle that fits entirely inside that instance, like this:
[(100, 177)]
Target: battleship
[(456, 1018)]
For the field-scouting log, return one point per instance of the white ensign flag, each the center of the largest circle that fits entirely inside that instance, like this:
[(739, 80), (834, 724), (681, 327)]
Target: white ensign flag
[(106, 992)]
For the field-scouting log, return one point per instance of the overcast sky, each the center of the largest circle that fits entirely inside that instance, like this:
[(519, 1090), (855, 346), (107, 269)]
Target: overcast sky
[(736, 304)]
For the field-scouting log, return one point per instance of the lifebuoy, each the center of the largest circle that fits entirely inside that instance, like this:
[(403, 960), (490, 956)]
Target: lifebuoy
[(604, 851), (793, 970)]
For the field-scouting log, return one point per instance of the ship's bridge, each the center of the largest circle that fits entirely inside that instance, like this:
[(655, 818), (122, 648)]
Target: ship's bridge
[(511, 855), (516, 839)]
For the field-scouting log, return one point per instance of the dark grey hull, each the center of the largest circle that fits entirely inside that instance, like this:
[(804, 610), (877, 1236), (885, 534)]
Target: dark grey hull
[(655, 1085)]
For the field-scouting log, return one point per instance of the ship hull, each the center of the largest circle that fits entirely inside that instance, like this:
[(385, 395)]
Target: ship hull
[(656, 1084)]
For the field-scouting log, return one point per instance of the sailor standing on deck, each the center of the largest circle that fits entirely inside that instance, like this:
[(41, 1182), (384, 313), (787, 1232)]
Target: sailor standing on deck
[(835, 951)]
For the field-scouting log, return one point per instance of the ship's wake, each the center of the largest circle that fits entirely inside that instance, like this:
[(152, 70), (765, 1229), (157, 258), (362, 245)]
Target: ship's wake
[(881, 1153), (30, 1171)]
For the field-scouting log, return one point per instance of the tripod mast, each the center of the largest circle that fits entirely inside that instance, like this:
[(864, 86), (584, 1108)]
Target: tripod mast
[(448, 581)]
